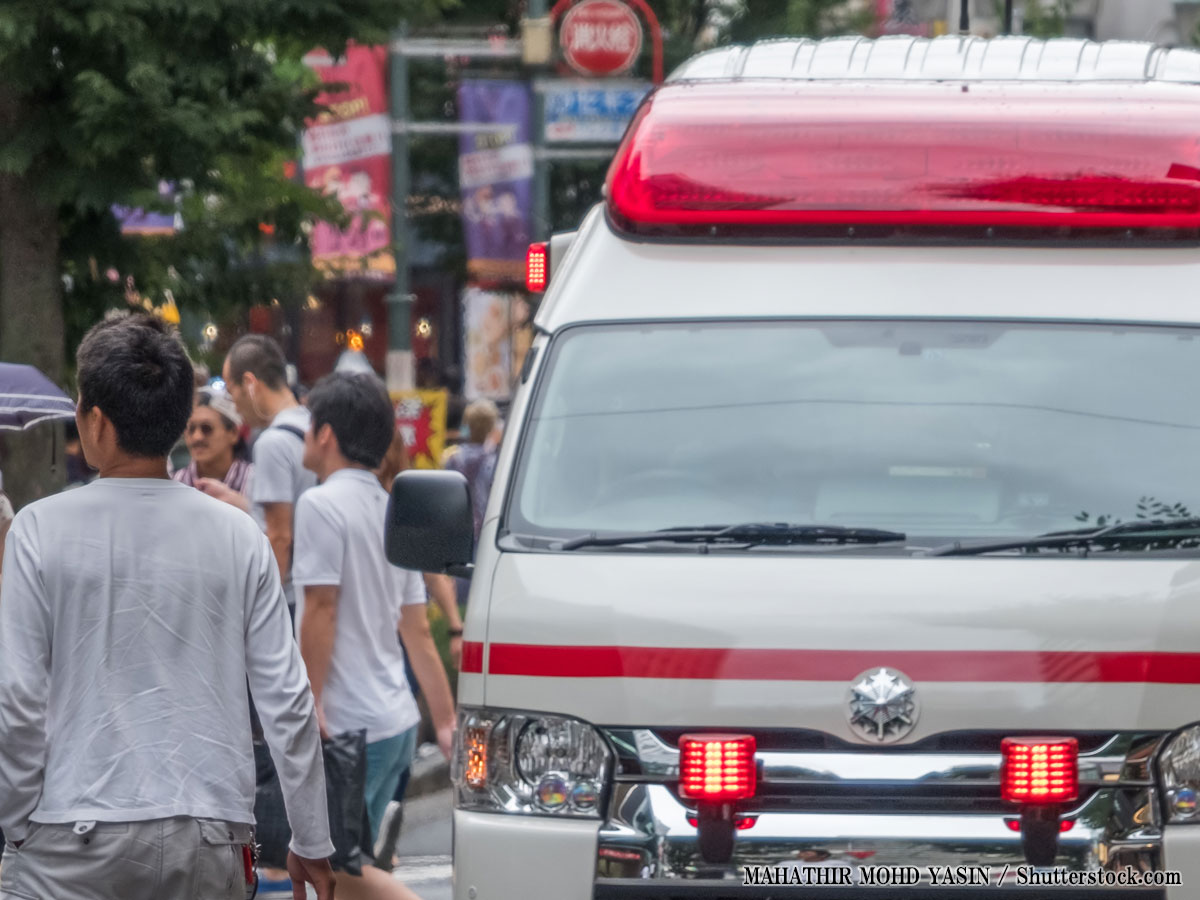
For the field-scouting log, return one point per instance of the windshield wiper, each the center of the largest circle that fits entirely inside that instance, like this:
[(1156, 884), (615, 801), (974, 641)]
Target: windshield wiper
[(1148, 531), (750, 534)]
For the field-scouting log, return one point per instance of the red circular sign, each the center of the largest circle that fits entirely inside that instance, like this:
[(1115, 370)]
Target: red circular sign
[(601, 37)]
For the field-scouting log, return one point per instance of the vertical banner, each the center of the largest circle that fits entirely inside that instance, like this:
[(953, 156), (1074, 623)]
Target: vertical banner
[(421, 421), (495, 175), (348, 153), (498, 328)]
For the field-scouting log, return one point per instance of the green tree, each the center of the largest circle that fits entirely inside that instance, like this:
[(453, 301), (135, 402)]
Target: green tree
[(1045, 18), (100, 100)]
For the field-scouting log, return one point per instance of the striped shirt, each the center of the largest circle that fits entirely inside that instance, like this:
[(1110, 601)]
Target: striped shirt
[(237, 478)]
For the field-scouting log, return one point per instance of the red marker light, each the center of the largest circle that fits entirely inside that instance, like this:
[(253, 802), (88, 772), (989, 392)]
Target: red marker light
[(780, 154), (537, 267), (1039, 770), (1064, 826), (741, 823), (717, 768)]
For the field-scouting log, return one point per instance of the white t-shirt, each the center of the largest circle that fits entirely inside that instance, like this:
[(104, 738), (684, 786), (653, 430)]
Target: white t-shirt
[(279, 473), (131, 615), (340, 541)]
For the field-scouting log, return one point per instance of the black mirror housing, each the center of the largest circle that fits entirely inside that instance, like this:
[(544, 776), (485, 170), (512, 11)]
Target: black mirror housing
[(430, 522)]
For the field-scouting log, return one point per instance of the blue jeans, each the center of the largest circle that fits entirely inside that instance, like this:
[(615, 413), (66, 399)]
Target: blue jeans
[(387, 761)]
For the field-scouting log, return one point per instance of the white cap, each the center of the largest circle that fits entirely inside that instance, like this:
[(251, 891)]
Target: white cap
[(222, 403)]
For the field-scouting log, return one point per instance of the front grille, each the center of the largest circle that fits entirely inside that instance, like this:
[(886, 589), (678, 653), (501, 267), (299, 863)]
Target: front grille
[(801, 739), (954, 772), (865, 799)]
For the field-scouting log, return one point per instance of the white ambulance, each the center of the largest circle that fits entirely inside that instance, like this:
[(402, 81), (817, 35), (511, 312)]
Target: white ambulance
[(847, 529)]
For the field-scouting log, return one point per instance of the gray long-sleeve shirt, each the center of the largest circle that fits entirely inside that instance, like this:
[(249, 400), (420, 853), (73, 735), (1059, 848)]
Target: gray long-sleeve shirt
[(132, 613)]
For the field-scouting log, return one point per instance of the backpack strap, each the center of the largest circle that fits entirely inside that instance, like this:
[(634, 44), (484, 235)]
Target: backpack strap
[(290, 429)]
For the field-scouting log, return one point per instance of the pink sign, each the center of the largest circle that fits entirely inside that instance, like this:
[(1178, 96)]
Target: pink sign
[(347, 153)]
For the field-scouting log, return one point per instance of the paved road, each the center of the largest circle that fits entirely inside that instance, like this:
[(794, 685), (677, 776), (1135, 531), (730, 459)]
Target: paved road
[(424, 851)]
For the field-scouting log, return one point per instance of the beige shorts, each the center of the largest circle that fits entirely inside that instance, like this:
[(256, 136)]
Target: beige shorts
[(162, 859)]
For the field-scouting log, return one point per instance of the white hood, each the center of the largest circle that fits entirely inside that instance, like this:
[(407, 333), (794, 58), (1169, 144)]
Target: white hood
[(758, 640)]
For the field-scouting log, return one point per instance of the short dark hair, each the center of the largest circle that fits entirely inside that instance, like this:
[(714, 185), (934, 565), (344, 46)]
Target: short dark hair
[(260, 355), (357, 408), (136, 370)]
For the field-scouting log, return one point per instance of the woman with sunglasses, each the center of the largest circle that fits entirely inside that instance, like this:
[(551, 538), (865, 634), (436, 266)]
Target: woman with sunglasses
[(220, 464)]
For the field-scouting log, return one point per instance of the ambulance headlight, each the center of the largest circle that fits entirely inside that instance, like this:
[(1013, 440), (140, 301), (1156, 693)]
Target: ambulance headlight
[(1179, 775), (529, 763)]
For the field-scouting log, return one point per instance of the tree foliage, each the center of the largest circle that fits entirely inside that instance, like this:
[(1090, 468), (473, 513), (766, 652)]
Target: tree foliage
[(101, 100)]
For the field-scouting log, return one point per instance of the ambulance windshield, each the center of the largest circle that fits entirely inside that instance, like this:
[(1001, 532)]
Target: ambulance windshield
[(943, 430)]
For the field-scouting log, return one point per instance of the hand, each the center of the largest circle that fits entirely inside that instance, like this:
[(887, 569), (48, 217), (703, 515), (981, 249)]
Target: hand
[(316, 872), (456, 651), (445, 739), (221, 491), (321, 723)]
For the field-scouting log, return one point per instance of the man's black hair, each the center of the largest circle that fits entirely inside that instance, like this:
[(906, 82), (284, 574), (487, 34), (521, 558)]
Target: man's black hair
[(136, 370), (260, 355), (357, 408)]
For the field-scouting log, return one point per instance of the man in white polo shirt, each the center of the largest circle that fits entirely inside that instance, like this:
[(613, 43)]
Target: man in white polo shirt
[(255, 374), (350, 598), (133, 613)]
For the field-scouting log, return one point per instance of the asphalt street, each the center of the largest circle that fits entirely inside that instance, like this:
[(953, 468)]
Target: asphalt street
[(425, 846)]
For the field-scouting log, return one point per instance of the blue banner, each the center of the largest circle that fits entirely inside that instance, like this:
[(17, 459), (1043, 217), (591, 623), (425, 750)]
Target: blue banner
[(495, 174)]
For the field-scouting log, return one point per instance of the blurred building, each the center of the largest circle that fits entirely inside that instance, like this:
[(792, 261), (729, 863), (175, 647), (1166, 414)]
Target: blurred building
[(1162, 21)]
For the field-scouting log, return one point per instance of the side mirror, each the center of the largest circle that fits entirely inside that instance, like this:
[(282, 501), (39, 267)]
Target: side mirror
[(430, 523)]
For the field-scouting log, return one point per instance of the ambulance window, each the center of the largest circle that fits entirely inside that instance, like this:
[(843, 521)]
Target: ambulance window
[(937, 429)]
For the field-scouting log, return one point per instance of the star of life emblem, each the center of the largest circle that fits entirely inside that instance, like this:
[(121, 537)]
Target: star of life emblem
[(882, 705)]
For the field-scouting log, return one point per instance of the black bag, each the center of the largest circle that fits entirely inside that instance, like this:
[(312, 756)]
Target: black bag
[(345, 787)]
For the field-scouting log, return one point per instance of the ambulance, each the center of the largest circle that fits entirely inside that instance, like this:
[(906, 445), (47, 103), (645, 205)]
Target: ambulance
[(845, 540)]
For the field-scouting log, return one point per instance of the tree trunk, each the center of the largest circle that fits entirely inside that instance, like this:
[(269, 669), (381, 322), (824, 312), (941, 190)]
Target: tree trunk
[(31, 330)]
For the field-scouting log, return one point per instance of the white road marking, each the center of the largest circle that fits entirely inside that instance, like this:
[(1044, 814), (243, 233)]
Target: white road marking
[(416, 869)]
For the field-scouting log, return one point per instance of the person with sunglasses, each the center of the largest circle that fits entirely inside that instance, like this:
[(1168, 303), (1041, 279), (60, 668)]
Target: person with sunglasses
[(219, 465)]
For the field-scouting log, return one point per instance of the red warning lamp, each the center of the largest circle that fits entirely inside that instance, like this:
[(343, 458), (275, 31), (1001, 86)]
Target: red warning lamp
[(537, 267), (1063, 827), (717, 768), (1041, 775), (781, 154), (1039, 770)]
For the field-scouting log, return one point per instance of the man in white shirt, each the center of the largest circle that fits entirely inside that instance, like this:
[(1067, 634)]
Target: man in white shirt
[(134, 611), (350, 600), (255, 376)]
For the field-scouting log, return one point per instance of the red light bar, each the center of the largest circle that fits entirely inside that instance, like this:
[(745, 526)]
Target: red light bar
[(537, 267), (1039, 770), (771, 154), (717, 768)]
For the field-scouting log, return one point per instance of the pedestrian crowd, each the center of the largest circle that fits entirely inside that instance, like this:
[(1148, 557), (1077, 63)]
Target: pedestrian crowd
[(158, 618)]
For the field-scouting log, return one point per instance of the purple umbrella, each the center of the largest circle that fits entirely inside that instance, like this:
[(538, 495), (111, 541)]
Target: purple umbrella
[(28, 397)]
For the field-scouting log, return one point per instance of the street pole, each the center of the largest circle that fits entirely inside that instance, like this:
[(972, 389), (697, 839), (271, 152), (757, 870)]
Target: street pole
[(542, 224), (1008, 16), (401, 375)]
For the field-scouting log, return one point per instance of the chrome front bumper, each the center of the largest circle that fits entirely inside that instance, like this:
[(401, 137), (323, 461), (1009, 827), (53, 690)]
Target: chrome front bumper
[(871, 808)]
